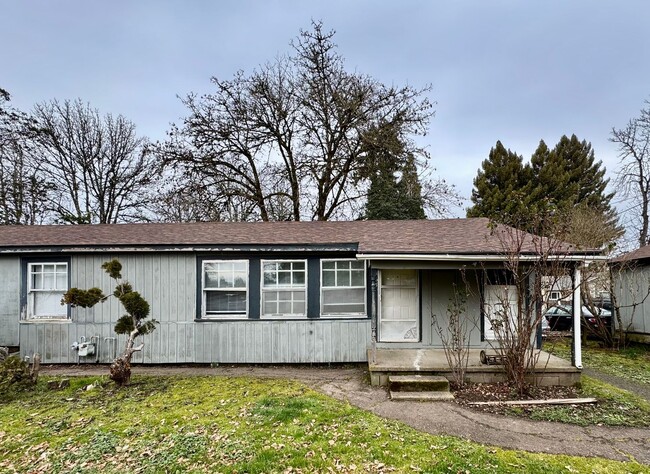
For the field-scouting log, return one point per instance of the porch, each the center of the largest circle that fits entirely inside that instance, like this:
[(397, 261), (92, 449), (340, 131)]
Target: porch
[(550, 370)]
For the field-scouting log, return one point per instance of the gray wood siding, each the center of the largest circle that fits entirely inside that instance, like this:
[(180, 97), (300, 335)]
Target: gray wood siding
[(631, 287), (168, 282), (283, 341), (210, 342), (9, 300)]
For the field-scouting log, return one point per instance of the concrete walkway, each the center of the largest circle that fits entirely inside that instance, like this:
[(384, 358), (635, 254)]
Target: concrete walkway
[(350, 384)]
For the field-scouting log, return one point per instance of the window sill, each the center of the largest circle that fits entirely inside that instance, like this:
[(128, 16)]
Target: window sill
[(46, 320), (344, 316), (283, 317)]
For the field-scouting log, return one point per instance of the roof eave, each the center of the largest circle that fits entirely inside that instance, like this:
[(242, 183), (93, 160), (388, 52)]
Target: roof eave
[(449, 257)]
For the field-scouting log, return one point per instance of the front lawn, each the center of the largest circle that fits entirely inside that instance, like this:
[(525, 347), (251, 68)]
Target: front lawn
[(220, 424), (632, 363)]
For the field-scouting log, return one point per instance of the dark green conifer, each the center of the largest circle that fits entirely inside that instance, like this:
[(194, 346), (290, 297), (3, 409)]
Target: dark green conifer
[(499, 187)]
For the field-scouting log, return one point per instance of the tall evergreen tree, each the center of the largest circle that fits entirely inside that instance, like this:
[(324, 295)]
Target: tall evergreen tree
[(556, 186), (388, 197), (410, 191), (499, 187)]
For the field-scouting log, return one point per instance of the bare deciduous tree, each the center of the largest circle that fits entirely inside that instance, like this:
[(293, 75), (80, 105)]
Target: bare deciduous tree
[(98, 165), (24, 189), (289, 138), (633, 174), (515, 311), (454, 331)]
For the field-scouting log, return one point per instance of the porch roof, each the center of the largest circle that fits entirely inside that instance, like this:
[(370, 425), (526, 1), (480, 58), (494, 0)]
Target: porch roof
[(472, 236)]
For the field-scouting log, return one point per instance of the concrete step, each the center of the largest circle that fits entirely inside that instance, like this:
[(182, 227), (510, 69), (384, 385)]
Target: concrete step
[(418, 383), (421, 396)]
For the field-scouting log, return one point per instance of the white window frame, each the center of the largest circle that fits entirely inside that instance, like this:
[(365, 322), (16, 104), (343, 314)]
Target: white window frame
[(32, 292), (323, 289), (223, 315), (283, 288)]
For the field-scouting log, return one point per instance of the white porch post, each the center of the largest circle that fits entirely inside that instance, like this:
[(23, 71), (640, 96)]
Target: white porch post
[(577, 310)]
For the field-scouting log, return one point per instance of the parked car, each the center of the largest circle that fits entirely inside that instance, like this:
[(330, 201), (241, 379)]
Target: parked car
[(560, 318)]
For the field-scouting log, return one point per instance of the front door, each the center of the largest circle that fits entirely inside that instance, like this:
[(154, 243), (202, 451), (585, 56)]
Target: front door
[(399, 316)]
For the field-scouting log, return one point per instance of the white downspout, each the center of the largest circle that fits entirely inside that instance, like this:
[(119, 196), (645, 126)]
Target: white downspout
[(577, 310)]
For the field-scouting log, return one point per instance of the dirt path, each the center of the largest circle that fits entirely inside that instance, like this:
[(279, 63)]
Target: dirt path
[(350, 384)]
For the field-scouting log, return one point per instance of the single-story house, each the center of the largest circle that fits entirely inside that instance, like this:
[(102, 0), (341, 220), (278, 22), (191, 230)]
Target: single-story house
[(265, 292), (631, 287)]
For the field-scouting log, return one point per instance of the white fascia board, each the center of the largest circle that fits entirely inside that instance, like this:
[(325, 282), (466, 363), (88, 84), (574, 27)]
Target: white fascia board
[(473, 258)]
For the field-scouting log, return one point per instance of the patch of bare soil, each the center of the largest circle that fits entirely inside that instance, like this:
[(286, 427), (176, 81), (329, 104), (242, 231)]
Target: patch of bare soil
[(487, 392)]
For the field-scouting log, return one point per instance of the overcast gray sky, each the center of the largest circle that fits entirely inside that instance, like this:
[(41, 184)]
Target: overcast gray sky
[(515, 71)]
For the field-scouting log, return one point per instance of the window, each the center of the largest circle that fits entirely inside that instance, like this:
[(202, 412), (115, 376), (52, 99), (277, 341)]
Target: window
[(343, 288), (500, 311), (47, 283), (284, 288), (554, 295), (225, 288)]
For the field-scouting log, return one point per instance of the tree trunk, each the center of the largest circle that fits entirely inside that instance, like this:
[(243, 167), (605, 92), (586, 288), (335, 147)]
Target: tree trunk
[(121, 367)]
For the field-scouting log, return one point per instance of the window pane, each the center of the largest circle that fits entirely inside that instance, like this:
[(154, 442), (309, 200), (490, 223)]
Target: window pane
[(48, 304), (298, 295), (284, 278), (270, 307), (226, 302), (329, 278), (37, 268), (270, 267), (48, 268), (284, 295), (357, 278), (225, 280), (212, 280), (299, 278), (343, 278), (240, 280), (298, 265), (357, 264), (48, 281), (339, 301), (284, 265), (37, 281), (283, 302), (269, 279), (329, 265), (61, 281)]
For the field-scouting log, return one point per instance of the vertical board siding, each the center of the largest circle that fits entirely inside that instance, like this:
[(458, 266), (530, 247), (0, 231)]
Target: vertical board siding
[(318, 341), (631, 288), (9, 301), (169, 283)]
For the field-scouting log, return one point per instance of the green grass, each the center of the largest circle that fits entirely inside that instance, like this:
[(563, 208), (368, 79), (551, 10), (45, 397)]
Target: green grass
[(615, 407), (219, 424), (632, 363)]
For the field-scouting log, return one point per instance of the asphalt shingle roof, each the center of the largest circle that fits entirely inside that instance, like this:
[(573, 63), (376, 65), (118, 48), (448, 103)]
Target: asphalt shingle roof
[(443, 236), (638, 254)]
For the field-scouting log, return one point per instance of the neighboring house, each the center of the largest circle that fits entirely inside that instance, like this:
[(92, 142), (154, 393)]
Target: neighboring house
[(631, 285), (278, 292)]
